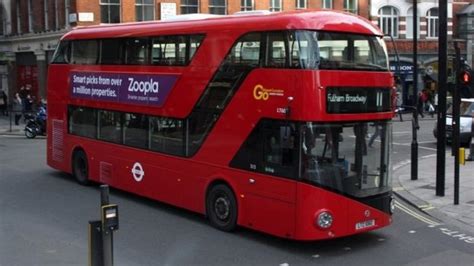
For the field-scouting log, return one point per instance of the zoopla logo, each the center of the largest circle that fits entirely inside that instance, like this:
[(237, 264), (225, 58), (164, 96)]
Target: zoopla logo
[(137, 172), (144, 87)]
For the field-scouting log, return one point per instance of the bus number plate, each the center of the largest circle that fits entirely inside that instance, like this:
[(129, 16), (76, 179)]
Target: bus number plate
[(365, 224)]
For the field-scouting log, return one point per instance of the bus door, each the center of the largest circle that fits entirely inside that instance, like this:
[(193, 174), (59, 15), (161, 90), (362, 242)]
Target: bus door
[(271, 193)]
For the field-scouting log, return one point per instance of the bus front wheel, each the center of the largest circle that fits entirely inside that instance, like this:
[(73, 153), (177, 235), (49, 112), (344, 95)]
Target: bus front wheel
[(221, 208), (80, 168)]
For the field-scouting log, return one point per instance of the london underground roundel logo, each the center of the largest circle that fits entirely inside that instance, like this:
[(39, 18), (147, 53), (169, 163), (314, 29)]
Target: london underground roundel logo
[(137, 172)]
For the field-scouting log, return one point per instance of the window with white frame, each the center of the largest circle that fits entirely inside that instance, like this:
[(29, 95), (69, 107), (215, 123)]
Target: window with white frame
[(409, 27), (110, 11), (301, 4), (433, 19), (189, 6), (275, 5), (218, 7), (350, 6), (388, 21), (145, 10), (246, 5), (326, 4)]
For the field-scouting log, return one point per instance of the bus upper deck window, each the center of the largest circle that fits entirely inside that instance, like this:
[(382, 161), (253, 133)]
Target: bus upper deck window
[(84, 52), (63, 53)]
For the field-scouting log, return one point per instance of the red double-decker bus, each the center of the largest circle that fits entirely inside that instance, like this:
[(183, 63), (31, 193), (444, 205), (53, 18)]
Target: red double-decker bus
[(261, 121)]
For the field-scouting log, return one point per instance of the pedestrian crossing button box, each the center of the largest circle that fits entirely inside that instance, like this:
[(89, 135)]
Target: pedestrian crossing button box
[(110, 217)]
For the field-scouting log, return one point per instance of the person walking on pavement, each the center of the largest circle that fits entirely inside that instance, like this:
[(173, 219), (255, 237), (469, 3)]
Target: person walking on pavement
[(471, 146), (422, 97), (3, 103), (375, 135), (17, 108)]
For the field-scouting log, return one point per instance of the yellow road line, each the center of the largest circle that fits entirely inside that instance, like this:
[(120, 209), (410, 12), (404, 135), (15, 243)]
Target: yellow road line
[(414, 214)]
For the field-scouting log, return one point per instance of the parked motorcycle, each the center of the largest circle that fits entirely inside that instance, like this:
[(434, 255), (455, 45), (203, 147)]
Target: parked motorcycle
[(36, 124)]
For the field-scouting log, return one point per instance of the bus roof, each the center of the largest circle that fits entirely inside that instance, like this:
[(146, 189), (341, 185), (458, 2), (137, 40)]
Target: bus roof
[(326, 20)]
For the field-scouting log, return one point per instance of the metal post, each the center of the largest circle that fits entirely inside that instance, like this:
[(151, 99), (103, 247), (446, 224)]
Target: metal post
[(455, 123), (414, 143), (107, 236), (442, 84)]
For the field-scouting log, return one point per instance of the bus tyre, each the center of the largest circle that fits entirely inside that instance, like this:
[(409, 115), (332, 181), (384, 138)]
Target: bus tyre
[(221, 208), (80, 168)]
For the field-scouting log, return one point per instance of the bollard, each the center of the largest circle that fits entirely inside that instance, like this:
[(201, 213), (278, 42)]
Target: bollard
[(462, 156), (107, 237), (96, 253), (101, 232)]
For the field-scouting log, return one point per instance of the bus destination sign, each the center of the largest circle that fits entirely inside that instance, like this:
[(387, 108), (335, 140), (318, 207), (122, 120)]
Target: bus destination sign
[(142, 89), (346, 100)]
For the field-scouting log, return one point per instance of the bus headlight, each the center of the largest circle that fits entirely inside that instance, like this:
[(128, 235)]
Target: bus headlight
[(392, 205), (324, 219)]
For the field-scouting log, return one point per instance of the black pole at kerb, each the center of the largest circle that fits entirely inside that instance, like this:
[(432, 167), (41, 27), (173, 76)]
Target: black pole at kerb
[(414, 143), (442, 93), (107, 235), (455, 122)]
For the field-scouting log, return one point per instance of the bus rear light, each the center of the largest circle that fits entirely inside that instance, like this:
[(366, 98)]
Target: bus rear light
[(324, 219)]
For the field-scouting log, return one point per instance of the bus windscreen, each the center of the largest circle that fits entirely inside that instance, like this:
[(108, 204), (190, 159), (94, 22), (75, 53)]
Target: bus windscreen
[(339, 51), (340, 157)]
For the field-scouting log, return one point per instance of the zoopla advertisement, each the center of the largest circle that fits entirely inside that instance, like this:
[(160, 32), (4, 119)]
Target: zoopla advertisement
[(142, 89)]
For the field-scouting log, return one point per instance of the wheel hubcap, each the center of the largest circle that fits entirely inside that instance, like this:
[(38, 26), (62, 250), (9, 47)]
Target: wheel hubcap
[(221, 207)]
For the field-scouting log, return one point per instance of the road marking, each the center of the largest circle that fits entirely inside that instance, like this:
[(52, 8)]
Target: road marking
[(409, 144), (414, 214), (426, 207), (11, 136), (455, 234), (401, 132)]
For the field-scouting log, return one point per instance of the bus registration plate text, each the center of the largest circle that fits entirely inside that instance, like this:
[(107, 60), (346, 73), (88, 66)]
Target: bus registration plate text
[(365, 224)]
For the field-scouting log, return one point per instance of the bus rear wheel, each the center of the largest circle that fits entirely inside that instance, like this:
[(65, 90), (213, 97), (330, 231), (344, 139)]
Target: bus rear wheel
[(80, 168), (221, 208)]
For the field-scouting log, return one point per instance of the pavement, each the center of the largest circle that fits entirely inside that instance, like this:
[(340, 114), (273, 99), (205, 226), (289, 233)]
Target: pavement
[(420, 193), (8, 127)]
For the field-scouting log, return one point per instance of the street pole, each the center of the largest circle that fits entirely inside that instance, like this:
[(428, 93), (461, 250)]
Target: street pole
[(107, 237), (455, 122), (442, 84), (414, 143)]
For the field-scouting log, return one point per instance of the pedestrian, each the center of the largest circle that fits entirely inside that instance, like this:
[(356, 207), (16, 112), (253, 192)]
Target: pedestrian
[(28, 104), (375, 135), (17, 107), (3, 103), (422, 97), (399, 109)]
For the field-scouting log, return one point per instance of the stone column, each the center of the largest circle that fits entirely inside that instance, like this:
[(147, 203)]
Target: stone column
[(11, 74), (42, 72)]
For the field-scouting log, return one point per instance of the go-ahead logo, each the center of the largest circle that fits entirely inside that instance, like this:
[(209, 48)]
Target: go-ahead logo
[(261, 93), (137, 172)]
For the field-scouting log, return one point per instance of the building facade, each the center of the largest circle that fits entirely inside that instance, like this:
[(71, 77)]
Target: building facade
[(395, 18), (30, 29)]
